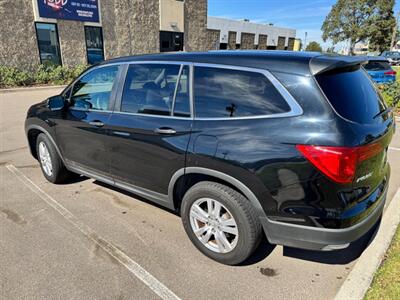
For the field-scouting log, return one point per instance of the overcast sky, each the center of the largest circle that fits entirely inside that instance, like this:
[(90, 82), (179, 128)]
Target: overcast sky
[(304, 16)]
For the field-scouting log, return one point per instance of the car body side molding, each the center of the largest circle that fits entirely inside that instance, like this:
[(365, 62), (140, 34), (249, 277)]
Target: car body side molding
[(235, 182)]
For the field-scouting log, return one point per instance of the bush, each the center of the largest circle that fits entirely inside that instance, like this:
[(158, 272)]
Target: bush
[(13, 77), (43, 74), (391, 94)]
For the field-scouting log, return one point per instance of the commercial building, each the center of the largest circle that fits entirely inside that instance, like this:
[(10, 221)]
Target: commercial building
[(72, 32), (234, 34)]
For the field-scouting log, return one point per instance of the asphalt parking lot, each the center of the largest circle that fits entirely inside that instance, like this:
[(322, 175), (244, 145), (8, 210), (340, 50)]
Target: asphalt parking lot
[(85, 240)]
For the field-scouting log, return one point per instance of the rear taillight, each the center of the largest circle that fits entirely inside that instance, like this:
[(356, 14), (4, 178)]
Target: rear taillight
[(338, 163), (392, 73)]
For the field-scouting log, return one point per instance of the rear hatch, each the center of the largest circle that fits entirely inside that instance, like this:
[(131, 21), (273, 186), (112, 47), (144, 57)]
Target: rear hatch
[(355, 99)]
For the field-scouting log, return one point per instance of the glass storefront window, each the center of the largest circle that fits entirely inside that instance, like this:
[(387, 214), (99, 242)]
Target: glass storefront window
[(49, 47), (94, 44)]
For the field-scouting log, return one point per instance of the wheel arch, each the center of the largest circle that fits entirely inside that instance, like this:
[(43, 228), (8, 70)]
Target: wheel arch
[(33, 132), (221, 177)]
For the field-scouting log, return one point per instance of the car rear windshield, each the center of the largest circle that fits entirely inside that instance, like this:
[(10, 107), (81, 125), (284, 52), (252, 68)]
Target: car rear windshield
[(377, 66), (352, 94)]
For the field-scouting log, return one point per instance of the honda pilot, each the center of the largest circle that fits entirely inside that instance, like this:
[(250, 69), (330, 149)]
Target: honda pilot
[(290, 145)]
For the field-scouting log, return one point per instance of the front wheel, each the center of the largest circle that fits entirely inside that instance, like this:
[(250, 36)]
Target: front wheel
[(50, 162), (220, 222)]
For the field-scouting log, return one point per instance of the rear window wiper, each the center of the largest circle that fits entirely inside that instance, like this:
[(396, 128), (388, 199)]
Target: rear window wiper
[(385, 111)]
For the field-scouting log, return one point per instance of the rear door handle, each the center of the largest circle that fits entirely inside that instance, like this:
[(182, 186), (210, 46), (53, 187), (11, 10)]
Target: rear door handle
[(165, 130), (96, 123), (121, 133)]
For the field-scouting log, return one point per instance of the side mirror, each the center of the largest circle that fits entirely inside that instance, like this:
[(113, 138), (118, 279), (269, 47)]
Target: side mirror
[(56, 103)]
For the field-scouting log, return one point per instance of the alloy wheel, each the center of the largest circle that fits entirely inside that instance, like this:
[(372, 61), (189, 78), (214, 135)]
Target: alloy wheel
[(45, 159), (214, 225)]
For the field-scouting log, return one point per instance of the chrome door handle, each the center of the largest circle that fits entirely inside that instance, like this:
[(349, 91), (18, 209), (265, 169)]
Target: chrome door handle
[(121, 133), (165, 130), (96, 123)]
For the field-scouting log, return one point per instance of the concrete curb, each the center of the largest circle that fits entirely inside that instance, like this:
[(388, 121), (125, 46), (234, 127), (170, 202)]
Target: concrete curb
[(31, 88), (360, 277)]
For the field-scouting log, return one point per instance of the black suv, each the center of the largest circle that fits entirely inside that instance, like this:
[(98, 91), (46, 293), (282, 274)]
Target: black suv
[(240, 143)]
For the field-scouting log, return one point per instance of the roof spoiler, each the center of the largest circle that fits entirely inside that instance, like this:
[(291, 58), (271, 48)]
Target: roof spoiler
[(324, 63)]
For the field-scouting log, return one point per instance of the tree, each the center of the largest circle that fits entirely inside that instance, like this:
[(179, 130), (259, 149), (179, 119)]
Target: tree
[(314, 46), (382, 26), (358, 20), (395, 33), (331, 49)]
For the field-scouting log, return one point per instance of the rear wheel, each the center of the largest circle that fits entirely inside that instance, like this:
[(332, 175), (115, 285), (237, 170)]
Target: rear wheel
[(220, 222), (50, 162)]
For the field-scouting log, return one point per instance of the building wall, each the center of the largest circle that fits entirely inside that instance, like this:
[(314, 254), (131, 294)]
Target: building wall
[(130, 27), (212, 41), (262, 42), (247, 40), (18, 46), (281, 43), (172, 15), (72, 42), (291, 44), (297, 45), (227, 25), (232, 40), (195, 25)]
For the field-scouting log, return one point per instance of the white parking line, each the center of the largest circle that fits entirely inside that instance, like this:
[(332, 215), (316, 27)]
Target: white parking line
[(148, 279), (394, 148)]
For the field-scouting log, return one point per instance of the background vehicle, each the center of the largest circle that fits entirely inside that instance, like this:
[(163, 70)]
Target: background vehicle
[(380, 70), (392, 56), (232, 140)]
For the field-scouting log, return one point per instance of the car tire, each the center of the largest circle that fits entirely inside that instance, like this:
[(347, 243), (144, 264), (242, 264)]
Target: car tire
[(243, 233), (51, 163)]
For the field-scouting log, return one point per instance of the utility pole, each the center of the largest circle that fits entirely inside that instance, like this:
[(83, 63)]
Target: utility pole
[(305, 41), (394, 35)]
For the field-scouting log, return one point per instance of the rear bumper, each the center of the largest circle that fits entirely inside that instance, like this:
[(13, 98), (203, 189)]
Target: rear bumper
[(385, 80), (315, 238)]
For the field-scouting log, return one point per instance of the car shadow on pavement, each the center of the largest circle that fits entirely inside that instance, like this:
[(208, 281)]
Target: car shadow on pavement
[(74, 179), (134, 196), (263, 250), (337, 257)]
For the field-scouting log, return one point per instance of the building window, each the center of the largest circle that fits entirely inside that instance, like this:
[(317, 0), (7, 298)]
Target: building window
[(49, 46), (171, 41), (94, 44)]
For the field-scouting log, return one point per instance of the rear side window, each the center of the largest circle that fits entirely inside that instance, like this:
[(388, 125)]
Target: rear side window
[(154, 89), (352, 94), (377, 66), (226, 93)]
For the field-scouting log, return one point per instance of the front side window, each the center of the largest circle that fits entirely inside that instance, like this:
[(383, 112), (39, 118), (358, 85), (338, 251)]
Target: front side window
[(227, 93), (153, 89), (49, 48), (94, 44), (93, 90)]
